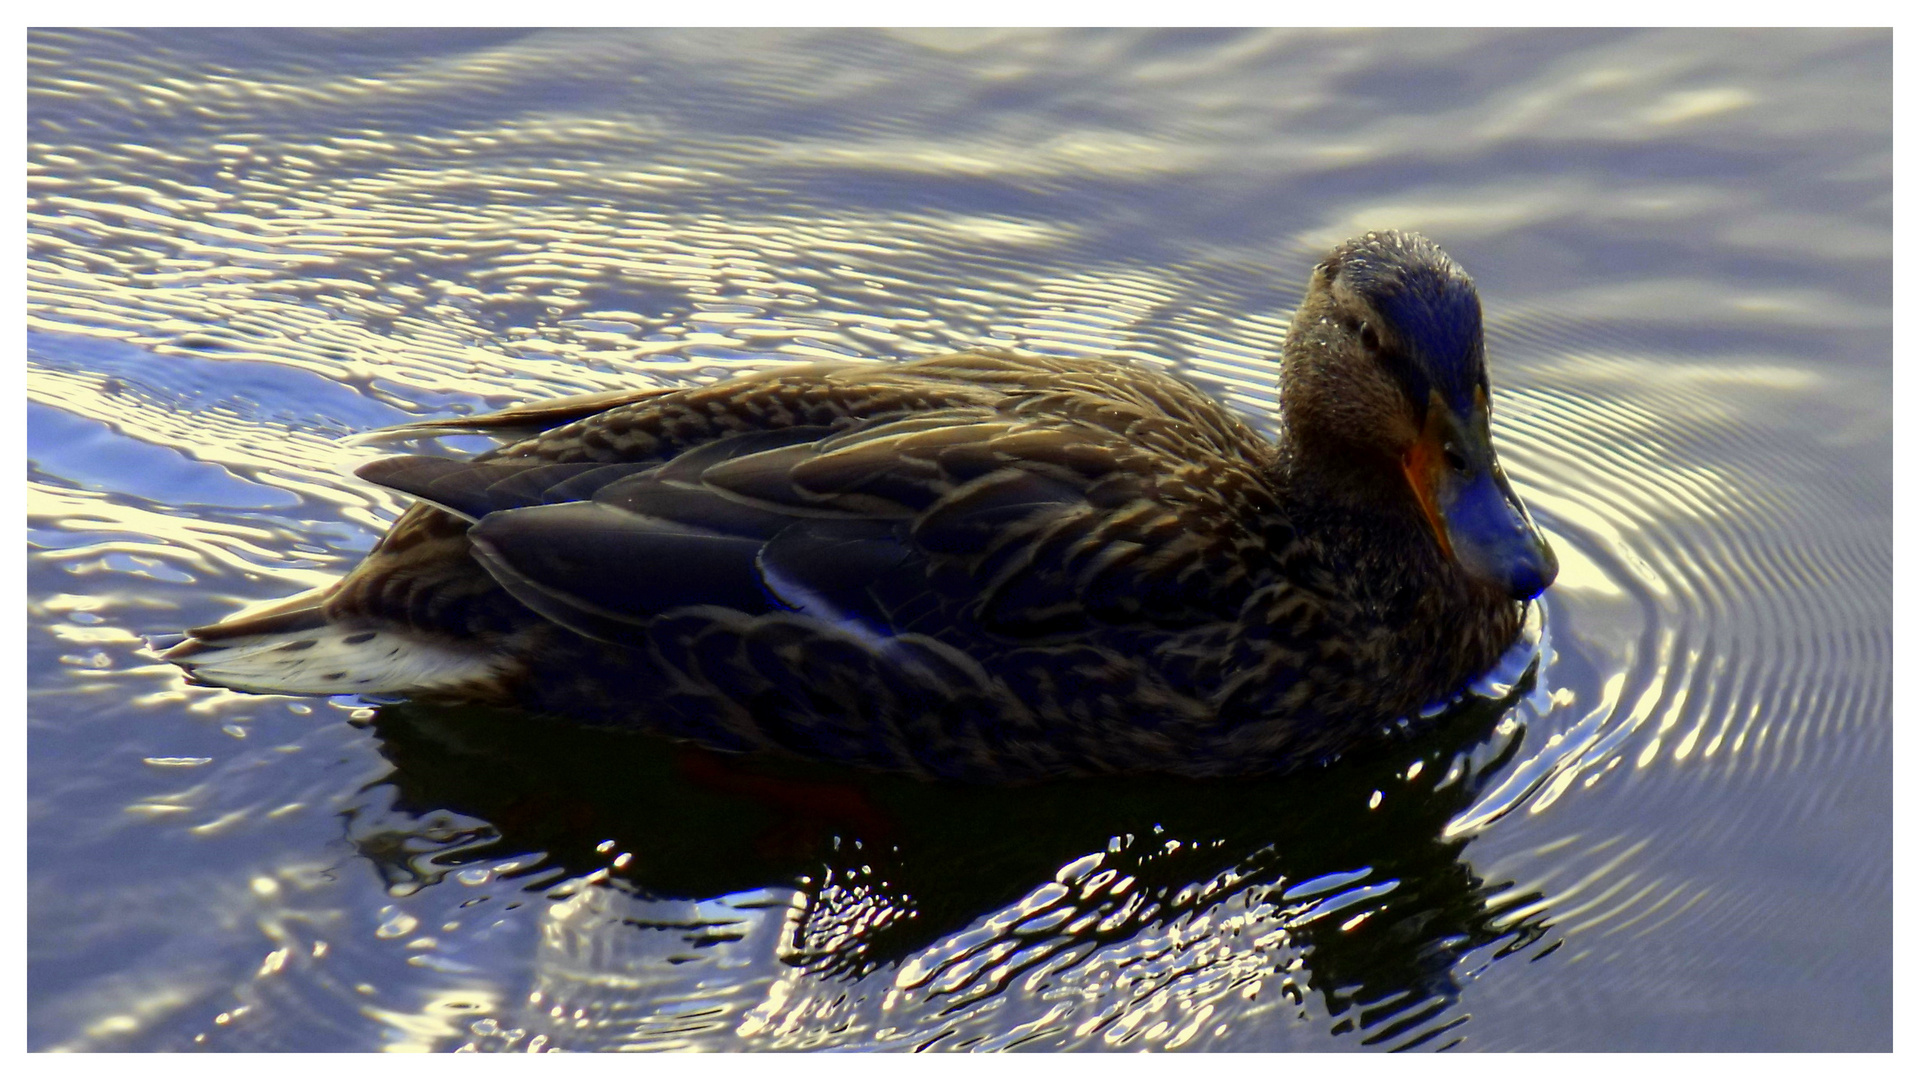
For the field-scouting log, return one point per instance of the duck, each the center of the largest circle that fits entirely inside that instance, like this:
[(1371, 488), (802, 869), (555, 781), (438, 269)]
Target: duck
[(984, 566)]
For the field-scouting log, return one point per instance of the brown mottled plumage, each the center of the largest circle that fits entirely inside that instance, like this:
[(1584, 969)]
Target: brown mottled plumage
[(982, 566)]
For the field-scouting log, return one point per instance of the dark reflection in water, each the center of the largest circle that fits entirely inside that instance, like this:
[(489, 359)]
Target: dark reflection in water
[(1341, 875)]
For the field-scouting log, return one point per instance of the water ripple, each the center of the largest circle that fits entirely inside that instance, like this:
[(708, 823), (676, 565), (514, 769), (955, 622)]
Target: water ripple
[(246, 245)]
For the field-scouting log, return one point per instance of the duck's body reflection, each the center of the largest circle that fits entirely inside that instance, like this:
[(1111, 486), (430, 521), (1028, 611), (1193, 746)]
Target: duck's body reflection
[(1335, 882)]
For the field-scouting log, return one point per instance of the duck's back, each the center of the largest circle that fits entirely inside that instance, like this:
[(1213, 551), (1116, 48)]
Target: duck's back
[(974, 562)]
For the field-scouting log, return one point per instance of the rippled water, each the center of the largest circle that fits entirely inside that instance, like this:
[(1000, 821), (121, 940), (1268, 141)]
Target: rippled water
[(1673, 833)]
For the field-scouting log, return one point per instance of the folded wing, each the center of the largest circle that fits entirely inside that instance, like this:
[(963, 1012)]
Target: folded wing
[(965, 520)]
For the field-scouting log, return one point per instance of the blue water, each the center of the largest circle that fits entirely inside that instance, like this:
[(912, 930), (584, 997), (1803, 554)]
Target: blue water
[(245, 246)]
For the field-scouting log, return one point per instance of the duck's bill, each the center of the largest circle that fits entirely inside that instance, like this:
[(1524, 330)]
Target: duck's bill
[(1494, 538), (1477, 519)]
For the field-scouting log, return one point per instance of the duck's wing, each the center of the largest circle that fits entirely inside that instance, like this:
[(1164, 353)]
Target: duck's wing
[(969, 518), (517, 422)]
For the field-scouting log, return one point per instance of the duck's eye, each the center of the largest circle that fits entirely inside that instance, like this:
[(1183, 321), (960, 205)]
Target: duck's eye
[(1454, 459), (1368, 339)]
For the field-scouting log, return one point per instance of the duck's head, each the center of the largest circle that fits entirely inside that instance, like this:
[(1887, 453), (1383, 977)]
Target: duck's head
[(1386, 386)]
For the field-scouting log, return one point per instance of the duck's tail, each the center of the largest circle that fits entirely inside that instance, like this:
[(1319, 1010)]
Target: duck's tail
[(293, 647)]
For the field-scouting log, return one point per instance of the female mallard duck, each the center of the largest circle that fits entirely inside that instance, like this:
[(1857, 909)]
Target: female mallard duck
[(982, 566)]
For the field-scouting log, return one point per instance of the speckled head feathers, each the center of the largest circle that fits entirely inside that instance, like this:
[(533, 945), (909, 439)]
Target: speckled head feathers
[(1429, 313)]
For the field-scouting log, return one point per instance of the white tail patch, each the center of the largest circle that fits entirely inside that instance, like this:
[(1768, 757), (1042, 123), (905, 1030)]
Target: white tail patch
[(333, 660)]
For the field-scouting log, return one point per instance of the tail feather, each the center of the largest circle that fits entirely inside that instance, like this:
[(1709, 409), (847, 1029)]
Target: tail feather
[(307, 611), (293, 648)]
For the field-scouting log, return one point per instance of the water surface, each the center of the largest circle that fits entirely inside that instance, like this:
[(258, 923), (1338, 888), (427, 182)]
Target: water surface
[(1674, 833)]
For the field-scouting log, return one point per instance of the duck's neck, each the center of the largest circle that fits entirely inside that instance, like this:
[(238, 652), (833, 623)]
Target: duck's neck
[(1358, 515), (1362, 523)]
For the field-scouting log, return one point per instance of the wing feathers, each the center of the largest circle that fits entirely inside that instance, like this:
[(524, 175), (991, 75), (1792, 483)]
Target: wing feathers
[(592, 560), (519, 421), (1020, 524), (474, 489)]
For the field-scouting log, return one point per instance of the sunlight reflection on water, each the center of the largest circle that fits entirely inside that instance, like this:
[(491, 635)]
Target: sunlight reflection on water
[(247, 245)]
